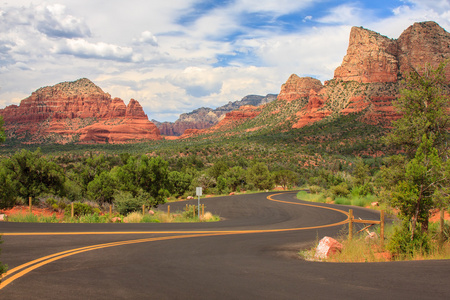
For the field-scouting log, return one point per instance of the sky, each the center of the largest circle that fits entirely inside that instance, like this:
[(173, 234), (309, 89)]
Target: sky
[(174, 56)]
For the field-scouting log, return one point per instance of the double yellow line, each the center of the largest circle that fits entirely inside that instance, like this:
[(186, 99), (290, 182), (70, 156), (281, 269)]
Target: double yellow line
[(23, 269)]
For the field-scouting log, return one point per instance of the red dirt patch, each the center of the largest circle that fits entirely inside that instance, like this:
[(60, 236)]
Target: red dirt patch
[(435, 216), (47, 212)]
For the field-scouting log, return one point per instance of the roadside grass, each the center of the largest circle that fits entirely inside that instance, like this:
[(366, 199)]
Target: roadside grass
[(133, 217), (31, 218), (362, 249), (317, 197), (351, 199)]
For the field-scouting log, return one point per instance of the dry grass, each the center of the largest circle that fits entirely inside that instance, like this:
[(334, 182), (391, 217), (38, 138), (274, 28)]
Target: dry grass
[(134, 217)]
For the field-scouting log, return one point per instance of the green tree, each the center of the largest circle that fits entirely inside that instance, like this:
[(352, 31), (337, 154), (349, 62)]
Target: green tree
[(236, 178), (361, 181), (414, 196), (148, 175), (125, 201), (285, 178), (31, 175), (8, 192), (260, 177), (102, 188), (218, 169), (422, 132), (424, 105), (179, 183), (90, 167)]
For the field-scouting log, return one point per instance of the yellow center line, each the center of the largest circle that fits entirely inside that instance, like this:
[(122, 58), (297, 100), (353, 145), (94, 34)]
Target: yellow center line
[(32, 265)]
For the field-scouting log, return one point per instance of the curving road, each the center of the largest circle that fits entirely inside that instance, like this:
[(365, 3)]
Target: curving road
[(252, 254)]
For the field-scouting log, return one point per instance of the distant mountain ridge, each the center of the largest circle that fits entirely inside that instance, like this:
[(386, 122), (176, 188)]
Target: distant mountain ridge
[(203, 118), (368, 80)]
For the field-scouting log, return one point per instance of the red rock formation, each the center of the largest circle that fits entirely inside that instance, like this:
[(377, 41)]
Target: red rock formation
[(422, 43), (312, 112), (370, 57), (79, 108), (376, 61), (296, 87)]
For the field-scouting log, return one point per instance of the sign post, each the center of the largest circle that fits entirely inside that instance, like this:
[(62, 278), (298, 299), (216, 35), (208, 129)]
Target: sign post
[(198, 192)]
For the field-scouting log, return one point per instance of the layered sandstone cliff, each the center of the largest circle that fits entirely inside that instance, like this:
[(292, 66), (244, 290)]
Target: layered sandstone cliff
[(372, 57), (369, 78), (421, 43), (77, 111), (296, 87)]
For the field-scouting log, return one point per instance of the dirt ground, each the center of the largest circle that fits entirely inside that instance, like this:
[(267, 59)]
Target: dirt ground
[(35, 210)]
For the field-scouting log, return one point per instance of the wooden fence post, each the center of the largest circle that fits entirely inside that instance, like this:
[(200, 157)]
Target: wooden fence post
[(350, 224), (168, 210), (110, 209), (30, 204), (381, 229), (203, 210), (72, 211), (143, 209)]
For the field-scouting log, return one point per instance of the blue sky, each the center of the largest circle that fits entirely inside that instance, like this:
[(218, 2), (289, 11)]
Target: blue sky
[(174, 56)]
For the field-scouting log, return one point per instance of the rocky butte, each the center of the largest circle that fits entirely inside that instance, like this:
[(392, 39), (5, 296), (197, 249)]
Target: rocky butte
[(77, 111), (370, 75)]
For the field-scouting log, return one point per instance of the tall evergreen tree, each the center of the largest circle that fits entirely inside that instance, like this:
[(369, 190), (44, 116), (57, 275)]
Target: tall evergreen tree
[(422, 132)]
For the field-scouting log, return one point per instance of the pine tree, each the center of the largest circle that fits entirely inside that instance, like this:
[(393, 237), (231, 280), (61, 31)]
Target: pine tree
[(422, 132)]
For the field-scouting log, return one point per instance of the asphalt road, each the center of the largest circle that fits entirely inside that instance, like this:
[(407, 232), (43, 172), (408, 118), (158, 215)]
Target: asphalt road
[(251, 254)]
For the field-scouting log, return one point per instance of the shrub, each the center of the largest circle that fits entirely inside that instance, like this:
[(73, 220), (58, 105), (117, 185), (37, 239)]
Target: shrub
[(125, 202), (435, 229), (315, 189), (342, 201), (51, 201), (79, 209), (401, 244), (190, 211), (93, 218), (340, 189), (147, 218)]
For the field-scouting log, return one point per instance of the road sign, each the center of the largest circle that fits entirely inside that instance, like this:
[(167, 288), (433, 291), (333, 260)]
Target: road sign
[(198, 191)]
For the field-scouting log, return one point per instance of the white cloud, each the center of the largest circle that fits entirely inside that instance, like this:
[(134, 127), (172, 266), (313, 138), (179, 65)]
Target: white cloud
[(147, 38), (84, 49), (53, 21), (348, 13), (277, 8)]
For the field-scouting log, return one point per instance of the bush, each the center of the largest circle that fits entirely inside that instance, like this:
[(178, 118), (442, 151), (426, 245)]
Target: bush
[(342, 201), (150, 219), (125, 202), (190, 211), (435, 229), (315, 189), (401, 245), (80, 209), (340, 190), (362, 190)]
